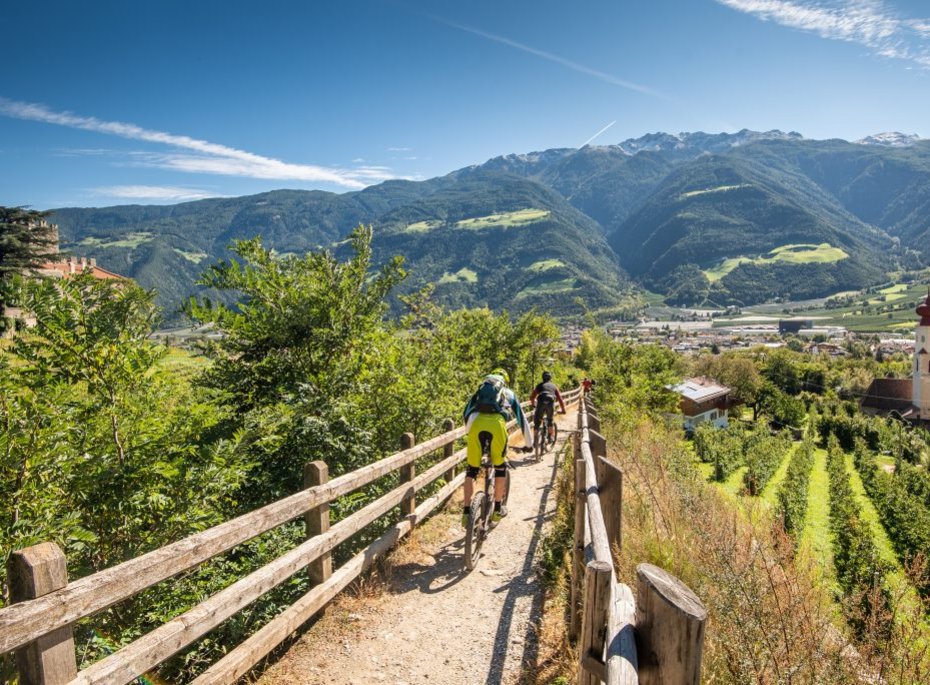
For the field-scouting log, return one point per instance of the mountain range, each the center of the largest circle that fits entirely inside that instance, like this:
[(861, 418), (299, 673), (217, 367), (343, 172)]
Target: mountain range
[(700, 218)]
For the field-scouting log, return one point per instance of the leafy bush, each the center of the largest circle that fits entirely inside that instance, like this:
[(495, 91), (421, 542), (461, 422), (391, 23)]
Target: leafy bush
[(792, 494), (859, 568), (764, 453)]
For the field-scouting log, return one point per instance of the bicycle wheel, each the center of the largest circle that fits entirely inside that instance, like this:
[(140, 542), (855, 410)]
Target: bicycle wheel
[(539, 442), (555, 433), (473, 536)]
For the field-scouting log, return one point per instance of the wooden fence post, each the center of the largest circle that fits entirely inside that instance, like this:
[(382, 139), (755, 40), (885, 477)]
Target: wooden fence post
[(316, 521), (449, 449), (610, 490), (670, 622), (407, 474), (574, 625), (597, 441), (597, 598), (594, 423), (34, 572)]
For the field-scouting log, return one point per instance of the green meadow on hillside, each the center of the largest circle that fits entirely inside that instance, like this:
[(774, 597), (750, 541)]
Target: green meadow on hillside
[(520, 217), (824, 253)]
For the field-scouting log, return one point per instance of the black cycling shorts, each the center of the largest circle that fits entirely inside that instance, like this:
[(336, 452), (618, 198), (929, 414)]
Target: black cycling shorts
[(544, 407)]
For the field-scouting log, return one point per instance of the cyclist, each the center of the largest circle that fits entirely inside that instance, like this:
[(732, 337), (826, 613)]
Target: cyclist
[(543, 398), (488, 410)]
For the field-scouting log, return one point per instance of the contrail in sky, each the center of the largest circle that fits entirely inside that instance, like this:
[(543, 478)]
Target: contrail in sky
[(603, 76), (588, 141)]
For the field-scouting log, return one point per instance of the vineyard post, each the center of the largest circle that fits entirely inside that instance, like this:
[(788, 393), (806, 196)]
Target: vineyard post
[(34, 572)]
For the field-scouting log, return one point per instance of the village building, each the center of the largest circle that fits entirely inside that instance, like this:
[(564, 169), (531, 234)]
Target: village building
[(60, 268), (703, 400)]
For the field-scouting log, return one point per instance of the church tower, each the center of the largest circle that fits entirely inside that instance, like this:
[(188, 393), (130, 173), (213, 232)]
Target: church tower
[(921, 393)]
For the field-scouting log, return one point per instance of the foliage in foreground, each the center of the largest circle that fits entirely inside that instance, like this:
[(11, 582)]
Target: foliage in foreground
[(110, 452)]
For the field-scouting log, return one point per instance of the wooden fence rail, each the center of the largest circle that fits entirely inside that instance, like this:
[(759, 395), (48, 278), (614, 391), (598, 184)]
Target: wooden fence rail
[(653, 639), (38, 625)]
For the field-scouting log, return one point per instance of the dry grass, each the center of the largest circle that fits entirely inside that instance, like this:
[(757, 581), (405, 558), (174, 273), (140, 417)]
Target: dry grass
[(556, 659), (769, 619)]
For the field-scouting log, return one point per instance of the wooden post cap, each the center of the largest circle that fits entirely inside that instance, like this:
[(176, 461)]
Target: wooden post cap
[(37, 570), (672, 590)]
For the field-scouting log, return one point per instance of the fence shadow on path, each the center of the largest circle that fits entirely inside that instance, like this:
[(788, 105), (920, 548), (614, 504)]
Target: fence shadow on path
[(525, 584)]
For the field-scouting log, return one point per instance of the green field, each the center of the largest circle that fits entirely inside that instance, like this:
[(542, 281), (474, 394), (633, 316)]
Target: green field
[(463, 275), (130, 240), (545, 265), (816, 535), (549, 288), (195, 257), (521, 217), (824, 253), (423, 226)]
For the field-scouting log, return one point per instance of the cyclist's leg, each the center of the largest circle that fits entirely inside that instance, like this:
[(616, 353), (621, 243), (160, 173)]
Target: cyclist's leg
[(473, 461), (537, 416), (550, 408), (498, 452)]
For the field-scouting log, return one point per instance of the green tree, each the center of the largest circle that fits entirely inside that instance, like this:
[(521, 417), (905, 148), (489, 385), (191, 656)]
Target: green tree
[(26, 241)]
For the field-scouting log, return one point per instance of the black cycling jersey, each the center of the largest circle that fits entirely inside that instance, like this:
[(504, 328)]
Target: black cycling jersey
[(546, 392)]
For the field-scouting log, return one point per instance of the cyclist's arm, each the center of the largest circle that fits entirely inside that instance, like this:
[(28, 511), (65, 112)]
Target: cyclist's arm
[(521, 421), (558, 396), (533, 395)]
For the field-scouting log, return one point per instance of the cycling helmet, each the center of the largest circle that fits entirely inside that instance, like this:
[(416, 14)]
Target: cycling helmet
[(546, 376), (502, 374)]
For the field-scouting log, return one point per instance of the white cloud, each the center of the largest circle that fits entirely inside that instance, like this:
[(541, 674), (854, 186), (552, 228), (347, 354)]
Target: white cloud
[(867, 22), (203, 156), (172, 193)]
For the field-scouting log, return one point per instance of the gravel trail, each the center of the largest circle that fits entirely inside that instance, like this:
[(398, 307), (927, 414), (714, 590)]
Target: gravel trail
[(437, 623)]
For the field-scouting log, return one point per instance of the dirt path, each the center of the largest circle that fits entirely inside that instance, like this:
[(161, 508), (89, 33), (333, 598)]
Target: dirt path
[(436, 623)]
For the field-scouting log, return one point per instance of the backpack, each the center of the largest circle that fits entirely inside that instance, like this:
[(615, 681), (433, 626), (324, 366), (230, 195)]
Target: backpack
[(489, 397)]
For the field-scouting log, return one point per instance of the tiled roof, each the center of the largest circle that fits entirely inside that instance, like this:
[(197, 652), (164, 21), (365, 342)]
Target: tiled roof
[(889, 393)]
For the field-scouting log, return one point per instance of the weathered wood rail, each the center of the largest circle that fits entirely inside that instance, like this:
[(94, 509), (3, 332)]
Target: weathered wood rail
[(38, 626), (653, 639)]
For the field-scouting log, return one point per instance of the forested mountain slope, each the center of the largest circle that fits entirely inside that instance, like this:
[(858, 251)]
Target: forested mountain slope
[(700, 218)]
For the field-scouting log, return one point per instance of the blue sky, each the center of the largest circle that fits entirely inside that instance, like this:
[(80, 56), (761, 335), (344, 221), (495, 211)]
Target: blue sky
[(148, 102)]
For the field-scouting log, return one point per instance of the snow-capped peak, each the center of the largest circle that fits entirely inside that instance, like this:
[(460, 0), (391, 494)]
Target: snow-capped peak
[(891, 139)]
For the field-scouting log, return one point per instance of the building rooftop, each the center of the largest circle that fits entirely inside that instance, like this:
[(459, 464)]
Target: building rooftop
[(699, 389)]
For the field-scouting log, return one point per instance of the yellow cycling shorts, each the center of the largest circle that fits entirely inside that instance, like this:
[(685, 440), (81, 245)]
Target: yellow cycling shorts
[(497, 427)]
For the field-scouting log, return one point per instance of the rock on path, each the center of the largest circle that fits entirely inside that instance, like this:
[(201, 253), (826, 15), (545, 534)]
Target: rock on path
[(437, 623)]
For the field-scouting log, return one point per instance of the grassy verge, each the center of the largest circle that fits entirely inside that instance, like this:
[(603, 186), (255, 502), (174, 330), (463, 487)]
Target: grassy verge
[(816, 536), (555, 657), (770, 493)]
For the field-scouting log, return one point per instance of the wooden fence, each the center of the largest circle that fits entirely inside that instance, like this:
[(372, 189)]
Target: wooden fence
[(38, 626), (653, 639)]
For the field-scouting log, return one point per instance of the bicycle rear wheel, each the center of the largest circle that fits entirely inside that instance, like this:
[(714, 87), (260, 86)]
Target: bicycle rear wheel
[(474, 530), (506, 487), (555, 433)]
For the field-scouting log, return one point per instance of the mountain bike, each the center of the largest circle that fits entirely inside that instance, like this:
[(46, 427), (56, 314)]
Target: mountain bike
[(482, 505), (542, 440)]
